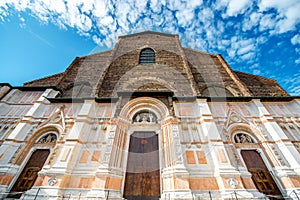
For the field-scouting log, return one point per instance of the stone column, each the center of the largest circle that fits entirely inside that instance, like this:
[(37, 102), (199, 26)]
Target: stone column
[(175, 176), (111, 172)]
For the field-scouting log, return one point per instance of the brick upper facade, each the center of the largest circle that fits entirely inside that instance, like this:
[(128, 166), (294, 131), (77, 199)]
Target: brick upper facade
[(183, 71)]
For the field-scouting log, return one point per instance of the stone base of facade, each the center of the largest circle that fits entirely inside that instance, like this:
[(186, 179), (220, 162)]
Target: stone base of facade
[(50, 193)]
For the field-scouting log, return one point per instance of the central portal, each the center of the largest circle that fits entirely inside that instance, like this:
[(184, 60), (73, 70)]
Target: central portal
[(142, 180)]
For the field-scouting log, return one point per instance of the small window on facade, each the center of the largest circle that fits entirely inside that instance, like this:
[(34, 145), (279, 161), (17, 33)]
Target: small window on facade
[(147, 56)]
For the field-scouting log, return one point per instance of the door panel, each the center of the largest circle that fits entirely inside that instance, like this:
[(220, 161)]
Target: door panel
[(142, 179), (260, 173), (29, 173)]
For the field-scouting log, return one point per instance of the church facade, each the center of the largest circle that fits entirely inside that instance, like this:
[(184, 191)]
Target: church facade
[(149, 119)]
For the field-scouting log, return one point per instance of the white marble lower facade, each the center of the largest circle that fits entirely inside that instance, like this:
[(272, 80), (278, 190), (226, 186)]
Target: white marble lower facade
[(200, 146)]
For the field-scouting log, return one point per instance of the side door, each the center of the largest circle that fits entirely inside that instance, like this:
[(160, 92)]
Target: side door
[(260, 174), (30, 173)]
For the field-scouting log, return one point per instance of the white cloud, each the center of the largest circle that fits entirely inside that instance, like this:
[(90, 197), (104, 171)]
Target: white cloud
[(55, 6), (288, 11), (185, 17), (245, 49), (236, 7), (155, 5), (278, 4), (267, 22), (293, 84), (220, 4), (243, 27), (296, 39)]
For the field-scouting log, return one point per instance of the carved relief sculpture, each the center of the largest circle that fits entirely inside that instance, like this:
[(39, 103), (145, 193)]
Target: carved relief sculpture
[(144, 118), (48, 139), (243, 138)]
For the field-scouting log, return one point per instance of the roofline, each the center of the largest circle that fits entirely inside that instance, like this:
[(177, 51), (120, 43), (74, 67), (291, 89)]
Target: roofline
[(5, 84), (250, 98), (46, 77), (148, 32), (30, 88), (96, 53), (267, 79), (180, 99), (200, 51), (82, 99)]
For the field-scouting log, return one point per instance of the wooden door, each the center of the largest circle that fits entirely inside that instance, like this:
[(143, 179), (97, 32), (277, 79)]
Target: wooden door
[(260, 174), (29, 173), (142, 181)]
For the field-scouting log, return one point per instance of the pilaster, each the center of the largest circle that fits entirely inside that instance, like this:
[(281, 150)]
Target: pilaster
[(276, 134), (175, 176), (223, 168)]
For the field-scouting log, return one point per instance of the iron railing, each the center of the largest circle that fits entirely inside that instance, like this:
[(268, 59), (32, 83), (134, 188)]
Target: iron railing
[(207, 195)]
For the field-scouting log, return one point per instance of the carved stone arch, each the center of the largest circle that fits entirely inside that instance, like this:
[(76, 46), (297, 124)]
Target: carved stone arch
[(144, 103), (40, 132), (33, 158), (244, 129), (132, 85)]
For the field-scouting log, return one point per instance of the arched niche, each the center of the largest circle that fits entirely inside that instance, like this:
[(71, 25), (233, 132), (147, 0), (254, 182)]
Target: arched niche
[(245, 130), (142, 104), (48, 138), (242, 137), (144, 117)]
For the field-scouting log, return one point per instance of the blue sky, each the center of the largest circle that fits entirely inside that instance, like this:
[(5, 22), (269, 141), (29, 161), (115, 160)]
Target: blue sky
[(42, 37)]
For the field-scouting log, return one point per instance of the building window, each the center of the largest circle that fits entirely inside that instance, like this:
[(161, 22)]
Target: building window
[(147, 56)]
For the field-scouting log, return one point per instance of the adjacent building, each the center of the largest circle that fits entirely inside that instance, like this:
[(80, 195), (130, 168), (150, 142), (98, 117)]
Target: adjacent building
[(149, 119)]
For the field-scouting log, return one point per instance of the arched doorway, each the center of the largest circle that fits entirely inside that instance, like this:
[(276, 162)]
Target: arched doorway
[(35, 163), (142, 181), (30, 173), (142, 176), (261, 176)]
